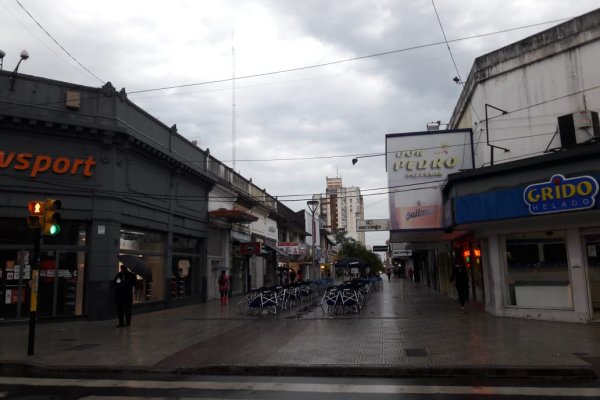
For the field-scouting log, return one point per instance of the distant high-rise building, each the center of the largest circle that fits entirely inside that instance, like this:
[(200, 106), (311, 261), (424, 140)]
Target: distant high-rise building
[(340, 208)]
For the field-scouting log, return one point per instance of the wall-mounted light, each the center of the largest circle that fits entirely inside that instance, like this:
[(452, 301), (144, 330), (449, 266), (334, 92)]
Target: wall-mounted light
[(13, 77), (355, 159), (2, 54)]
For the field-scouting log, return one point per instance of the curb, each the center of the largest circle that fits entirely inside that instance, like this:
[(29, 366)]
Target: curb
[(506, 372)]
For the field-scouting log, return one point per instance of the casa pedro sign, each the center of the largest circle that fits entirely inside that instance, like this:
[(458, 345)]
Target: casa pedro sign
[(561, 194), (37, 164)]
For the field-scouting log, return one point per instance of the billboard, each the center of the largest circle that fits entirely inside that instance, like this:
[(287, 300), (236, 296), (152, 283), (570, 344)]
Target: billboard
[(417, 166)]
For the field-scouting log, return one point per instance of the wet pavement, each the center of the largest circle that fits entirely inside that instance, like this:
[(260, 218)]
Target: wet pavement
[(403, 330)]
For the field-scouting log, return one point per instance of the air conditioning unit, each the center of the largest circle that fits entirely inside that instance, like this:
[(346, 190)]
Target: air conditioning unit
[(578, 127)]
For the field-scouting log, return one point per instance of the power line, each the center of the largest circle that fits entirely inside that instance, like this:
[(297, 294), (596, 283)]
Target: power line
[(304, 197), (55, 41), (446, 40), (93, 97), (385, 53)]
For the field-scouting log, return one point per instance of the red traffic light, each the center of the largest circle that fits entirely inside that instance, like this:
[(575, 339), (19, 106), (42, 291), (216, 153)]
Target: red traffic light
[(36, 207)]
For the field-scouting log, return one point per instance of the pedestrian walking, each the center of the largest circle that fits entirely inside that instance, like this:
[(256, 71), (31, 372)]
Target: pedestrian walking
[(299, 276), (124, 283), (388, 272), (292, 276), (224, 285), (461, 280), (411, 274)]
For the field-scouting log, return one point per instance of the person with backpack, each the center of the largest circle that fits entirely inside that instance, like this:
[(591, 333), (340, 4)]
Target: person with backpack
[(224, 286)]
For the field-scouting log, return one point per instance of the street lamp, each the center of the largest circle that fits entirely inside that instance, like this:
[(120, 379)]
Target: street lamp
[(13, 77), (312, 206)]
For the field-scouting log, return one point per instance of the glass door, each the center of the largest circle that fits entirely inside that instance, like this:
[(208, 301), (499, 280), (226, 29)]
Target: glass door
[(592, 252), (60, 287)]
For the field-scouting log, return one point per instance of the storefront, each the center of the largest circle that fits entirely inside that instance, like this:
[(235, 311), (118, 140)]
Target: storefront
[(128, 196), (537, 224)]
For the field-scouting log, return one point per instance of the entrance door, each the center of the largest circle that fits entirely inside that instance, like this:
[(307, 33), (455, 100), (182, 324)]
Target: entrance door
[(592, 251), (60, 287)]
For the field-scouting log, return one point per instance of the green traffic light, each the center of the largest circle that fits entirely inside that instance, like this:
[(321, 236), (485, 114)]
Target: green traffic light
[(52, 229)]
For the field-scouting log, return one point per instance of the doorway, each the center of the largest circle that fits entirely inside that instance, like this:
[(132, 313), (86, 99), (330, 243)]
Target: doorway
[(60, 286), (592, 252)]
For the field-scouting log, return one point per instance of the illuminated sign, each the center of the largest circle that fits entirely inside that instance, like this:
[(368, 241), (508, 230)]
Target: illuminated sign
[(560, 194), (37, 164)]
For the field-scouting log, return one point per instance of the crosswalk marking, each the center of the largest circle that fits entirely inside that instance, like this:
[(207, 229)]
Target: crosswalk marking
[(308, 387)]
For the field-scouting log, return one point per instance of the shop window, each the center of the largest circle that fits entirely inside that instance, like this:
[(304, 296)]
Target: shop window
[(148, 248), (537, 270), (185, 266)]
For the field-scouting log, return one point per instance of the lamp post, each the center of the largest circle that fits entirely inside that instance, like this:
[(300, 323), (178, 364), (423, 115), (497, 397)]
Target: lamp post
[(13, 77), (312, 206)]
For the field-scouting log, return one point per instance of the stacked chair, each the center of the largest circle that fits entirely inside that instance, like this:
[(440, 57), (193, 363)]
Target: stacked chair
[(349, 297), (274, 300)]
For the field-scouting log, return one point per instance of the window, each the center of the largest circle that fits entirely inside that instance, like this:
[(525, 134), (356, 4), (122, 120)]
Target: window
[(149, 248), (537, 272), (185, 265)]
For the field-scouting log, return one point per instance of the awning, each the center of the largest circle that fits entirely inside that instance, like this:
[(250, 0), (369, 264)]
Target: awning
[(233, 216), (277, 251)]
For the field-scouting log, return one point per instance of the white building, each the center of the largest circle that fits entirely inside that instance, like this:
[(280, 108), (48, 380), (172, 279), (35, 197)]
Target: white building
[(530, 205)]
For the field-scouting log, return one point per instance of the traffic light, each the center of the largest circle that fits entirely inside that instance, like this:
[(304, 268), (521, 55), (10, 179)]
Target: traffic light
[(36, 214), (51, 217)]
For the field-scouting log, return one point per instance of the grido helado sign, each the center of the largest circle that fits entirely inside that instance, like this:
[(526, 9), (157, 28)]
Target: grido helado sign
[(36, 164), (417, 166)]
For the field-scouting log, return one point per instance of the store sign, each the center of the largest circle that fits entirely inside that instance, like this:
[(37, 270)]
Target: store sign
[(560, 194), (417, 166), (291, 248), (370, 225), (37, 164), (402, 253), (381, 248), (250, 248)]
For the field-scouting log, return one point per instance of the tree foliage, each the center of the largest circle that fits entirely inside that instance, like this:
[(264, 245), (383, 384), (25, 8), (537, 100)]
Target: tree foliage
[(352, 248)]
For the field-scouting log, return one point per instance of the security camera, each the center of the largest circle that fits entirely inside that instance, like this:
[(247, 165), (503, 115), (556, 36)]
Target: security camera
[(24, 55), (2, 54)]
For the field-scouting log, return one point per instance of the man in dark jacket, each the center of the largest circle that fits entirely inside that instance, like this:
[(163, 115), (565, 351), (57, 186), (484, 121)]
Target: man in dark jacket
[(124, 283), (461, 280)]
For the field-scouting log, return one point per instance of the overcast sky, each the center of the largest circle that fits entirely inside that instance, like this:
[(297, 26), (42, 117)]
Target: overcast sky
[(296, 128)]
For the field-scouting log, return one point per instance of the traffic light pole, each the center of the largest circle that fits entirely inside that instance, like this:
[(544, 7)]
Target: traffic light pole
[(33, 290)]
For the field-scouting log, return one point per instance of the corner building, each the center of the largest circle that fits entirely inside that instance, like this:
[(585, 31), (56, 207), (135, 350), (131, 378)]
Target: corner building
[(129, 186), (531, 205)]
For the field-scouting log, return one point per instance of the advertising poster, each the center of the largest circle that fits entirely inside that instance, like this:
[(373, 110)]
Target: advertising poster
[(417, 167)]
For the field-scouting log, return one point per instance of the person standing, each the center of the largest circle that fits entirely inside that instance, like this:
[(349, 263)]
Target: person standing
[(124, 283), (224, 286), (292, 276), (411, 274), (388, 272), (461, 280)]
